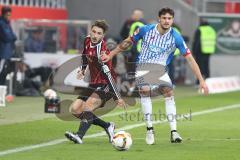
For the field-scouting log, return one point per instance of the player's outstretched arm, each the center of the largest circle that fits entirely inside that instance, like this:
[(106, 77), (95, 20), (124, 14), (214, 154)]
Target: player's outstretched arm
[(123, 46), (195, 68)]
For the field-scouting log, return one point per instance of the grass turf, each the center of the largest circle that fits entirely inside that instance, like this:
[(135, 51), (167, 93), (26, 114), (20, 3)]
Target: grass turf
[(210, 136)]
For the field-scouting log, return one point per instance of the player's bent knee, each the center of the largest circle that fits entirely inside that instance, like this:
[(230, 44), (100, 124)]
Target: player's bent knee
[(76, 107), (167, 92), (144, 91), (92, 103)]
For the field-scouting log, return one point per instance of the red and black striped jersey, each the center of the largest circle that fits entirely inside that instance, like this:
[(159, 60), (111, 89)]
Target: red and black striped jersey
[(90, 58)]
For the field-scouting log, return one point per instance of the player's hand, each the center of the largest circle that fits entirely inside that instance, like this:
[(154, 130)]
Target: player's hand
[(121, 103), (203, 88), (80, 74)]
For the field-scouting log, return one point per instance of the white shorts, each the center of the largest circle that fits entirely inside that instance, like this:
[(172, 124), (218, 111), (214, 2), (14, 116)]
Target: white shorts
[(152, 75)]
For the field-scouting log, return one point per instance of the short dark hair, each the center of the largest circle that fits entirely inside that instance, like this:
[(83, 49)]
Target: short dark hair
[(165, 10), (101, 24), (5, 9)]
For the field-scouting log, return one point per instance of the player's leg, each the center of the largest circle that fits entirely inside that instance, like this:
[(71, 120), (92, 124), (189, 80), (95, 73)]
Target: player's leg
[(92, 103), (104, 94), (83, 111), (171, 113), (76, 109), (146, 104)]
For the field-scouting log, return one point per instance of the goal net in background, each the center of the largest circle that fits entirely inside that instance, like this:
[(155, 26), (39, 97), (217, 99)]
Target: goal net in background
[(51, 36), (45, 44)]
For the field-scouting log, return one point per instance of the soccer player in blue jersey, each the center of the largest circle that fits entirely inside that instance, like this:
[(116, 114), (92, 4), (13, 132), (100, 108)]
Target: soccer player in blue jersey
[(159, 41)]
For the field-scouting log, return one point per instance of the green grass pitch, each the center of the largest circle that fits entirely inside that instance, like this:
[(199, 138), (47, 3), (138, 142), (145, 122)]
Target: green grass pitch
[(207, 135)]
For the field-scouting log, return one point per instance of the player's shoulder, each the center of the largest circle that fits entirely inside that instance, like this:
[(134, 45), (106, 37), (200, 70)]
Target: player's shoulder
[(148, 27), (176, 35), (87, 40), (87, 37), (104, 44), (104, 41)]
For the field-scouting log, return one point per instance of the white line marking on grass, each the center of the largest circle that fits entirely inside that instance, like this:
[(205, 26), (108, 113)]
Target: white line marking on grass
[(121, 112), (21, 149), (128, 127)]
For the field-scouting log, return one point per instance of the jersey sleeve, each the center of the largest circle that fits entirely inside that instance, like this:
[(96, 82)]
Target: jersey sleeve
[(84, 56), (181, 45), (138, 34)]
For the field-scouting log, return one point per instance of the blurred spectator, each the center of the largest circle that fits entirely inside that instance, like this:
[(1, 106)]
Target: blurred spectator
[(111, 44), (7, 39), (204, 46), (137, 15), (35, 41), (33, 81), (128, 29)]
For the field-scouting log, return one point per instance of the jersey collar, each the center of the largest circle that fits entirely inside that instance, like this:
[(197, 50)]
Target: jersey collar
[(159, 32), (93, 46)]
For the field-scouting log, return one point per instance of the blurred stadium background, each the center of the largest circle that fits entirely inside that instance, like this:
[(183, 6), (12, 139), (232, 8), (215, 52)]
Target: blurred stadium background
[(26, 132)]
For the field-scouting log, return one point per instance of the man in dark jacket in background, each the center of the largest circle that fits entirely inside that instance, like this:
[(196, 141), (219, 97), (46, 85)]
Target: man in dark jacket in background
[(204, 45), (7, 39), (137, 15), (130, 26)]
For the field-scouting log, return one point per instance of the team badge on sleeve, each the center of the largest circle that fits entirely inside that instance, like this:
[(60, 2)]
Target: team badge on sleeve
[(188, 51)]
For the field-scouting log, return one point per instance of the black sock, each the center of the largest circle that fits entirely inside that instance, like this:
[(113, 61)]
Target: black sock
[(99, 122), (84, 126), (85, 123), (94, 119), (87, 119)]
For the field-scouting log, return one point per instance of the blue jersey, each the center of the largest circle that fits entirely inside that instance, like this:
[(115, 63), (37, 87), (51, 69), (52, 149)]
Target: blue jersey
[(157, 48)]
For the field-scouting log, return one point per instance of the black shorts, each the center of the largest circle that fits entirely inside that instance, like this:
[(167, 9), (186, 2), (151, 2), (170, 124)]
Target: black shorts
[(102, 90)]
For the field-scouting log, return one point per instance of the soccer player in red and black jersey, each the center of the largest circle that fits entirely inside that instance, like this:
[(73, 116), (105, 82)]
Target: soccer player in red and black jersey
[(102, 87)]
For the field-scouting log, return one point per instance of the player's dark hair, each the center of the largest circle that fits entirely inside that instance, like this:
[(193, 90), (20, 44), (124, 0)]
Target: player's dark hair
[(5, 9), (165, 10), (101, 24)]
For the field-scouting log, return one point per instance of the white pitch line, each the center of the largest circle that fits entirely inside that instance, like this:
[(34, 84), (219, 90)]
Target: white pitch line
[(119, 113), (128, 127)]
